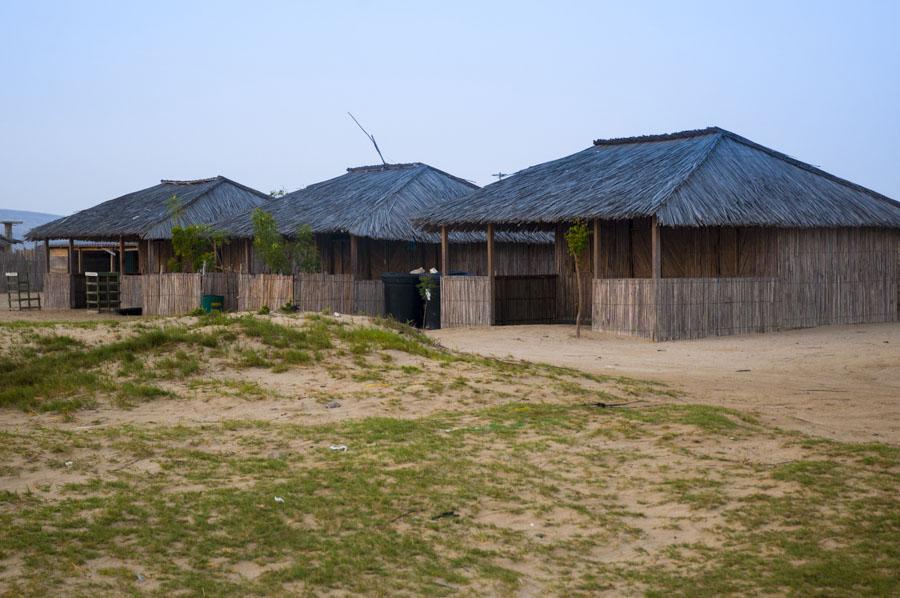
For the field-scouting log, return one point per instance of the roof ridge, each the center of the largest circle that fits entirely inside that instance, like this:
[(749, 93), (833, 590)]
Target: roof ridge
[(383, 167), (661, 136), (218, 181), (468, 183), (189, 181), (694, 168), (393, 191)]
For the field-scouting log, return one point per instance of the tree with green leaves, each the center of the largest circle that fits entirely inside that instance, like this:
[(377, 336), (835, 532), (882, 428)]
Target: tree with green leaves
[(281, 255), (577, 243), (195, 247)]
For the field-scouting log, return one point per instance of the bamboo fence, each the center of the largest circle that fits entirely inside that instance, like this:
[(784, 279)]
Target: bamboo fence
[(131, 291), (57, 291), (258, 290), (368, 297), (466, 301), (811, 278), (171, 294), (32, 262), (324, 292), (226, 284)]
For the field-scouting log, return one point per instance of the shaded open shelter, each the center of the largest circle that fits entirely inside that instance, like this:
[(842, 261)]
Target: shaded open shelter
[(362, 222), (694, 233), (139, 224)]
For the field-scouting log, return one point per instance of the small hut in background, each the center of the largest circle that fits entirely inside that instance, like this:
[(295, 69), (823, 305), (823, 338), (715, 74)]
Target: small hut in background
[(362, 222), (7, 240), (139, 228), (694, 233)]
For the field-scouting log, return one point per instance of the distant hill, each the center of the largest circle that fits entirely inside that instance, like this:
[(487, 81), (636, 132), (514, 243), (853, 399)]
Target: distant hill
[(29, 221)]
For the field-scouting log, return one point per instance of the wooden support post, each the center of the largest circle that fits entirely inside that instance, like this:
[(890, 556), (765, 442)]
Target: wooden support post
[(248, 256), (655, 249), (143, 253), (445, 251), (737, 253), (354, 256), (596, 247), (559, 249), (121, 256), (72, 267), (47, 252), (490, 268), (80, 268)]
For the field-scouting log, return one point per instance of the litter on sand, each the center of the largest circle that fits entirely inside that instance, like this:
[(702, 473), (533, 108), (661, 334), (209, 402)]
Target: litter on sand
[(341, 448)]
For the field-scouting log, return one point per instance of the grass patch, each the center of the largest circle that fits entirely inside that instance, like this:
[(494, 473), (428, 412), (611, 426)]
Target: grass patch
[(412, 507)]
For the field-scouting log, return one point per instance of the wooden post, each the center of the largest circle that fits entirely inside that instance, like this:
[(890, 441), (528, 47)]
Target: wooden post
[(72, 267), (597, 269), (143, 254), (445, 251), (490, 268), (121, 256), (80, 268), (47, 253), (655, 249), (248, 259), (354, 256), (737, 254)]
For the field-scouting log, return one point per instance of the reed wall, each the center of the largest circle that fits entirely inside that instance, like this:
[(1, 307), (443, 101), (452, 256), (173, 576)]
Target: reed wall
[(57, 290), (131, 291), (171, 294), (789, 279), (466, 301), (258, 290), (525, 299), (318, 292), (30, 262), (368, 298)]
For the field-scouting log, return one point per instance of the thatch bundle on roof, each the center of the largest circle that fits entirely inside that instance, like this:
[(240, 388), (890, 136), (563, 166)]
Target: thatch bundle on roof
[(708, 177), (377, 202), (146, 214)]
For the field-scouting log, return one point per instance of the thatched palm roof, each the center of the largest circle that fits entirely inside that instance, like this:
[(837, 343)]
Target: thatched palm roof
[(145, 214), (708, 177), (378, 202)]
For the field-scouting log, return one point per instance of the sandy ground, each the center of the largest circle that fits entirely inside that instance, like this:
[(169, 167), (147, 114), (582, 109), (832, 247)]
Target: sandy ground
[(841, 382)]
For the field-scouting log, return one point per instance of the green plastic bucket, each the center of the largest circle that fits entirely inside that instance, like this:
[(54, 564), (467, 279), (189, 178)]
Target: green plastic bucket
[(211, 303)]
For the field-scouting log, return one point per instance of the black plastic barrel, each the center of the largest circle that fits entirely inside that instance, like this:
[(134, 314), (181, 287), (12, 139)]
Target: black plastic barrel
[(401, 297)]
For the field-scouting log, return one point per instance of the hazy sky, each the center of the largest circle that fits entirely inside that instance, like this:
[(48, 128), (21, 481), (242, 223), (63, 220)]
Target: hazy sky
[(98, 99)]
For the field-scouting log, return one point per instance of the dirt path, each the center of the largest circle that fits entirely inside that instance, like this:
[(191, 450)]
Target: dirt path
[(841, 382)]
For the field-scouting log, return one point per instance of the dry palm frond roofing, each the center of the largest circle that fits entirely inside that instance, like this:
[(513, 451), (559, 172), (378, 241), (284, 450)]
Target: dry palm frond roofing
[(708, 177), (146, 214), (377, 202)]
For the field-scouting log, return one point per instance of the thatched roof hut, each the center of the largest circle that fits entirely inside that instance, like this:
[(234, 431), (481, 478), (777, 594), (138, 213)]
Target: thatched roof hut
[(707, 177), (146, 214), (375, 202), (691, 234)]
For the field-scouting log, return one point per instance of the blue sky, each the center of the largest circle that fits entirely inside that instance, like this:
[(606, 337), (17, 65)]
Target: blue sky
[(102, 98)]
